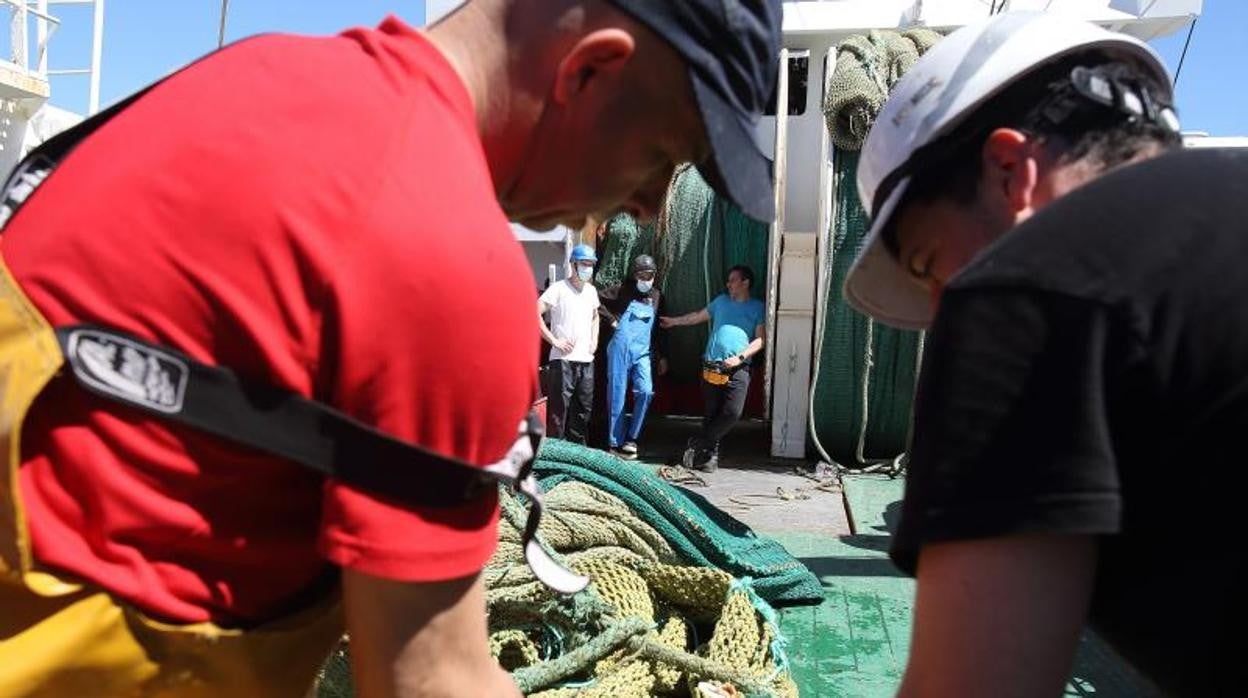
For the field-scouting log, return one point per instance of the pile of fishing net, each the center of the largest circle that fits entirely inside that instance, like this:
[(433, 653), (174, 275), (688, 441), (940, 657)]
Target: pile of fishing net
[(682, 599)]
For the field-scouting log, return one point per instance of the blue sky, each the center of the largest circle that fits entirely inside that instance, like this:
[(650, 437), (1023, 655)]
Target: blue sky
[(145, 39), (1213, 85)]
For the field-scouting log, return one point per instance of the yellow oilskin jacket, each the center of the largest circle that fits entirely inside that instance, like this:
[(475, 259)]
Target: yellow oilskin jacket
[(59, 637)]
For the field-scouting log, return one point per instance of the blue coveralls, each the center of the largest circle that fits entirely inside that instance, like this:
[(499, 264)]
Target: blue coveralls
[(628, 356)]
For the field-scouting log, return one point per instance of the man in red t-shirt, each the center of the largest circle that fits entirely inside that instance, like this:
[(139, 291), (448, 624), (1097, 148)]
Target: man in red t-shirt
[(306, 211)]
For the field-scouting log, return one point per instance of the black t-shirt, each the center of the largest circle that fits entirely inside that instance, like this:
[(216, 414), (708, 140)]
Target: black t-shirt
[(1088, 374)]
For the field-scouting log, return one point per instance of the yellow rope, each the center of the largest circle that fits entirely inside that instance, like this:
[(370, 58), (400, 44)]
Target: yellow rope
[(636, 578)]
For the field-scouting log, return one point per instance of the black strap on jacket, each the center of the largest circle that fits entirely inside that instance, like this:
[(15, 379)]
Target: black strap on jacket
[(172, 386)]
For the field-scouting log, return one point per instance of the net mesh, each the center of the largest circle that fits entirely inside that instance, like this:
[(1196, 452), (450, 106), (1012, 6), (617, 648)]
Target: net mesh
[(682, 595), (852, 351)]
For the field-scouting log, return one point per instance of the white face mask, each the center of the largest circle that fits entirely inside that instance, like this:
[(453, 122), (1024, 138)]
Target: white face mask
[(645, 286), (584, 273)]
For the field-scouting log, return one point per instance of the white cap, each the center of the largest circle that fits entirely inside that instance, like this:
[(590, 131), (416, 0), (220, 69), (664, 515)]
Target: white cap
[(945, 87)]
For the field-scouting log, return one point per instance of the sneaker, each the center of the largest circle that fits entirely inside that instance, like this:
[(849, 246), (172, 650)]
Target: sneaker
[(709, 465), (622, 454), (630, 447), (686, 458)]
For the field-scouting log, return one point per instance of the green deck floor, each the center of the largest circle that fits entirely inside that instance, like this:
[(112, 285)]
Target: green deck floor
[(856, 642)]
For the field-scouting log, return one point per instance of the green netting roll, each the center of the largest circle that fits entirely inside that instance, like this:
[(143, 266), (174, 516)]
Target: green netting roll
[(838, 398), (745, 242), (690, 258), (626, 238)]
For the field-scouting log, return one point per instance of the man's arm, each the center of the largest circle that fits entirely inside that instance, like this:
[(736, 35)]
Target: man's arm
[(999, 616), (412, 640), (593, 331), (755, 346), (659, 344), (607, 298), (560, 344), (694, 318)]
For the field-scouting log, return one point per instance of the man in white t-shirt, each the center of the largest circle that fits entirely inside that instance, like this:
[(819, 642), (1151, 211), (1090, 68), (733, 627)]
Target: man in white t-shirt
[(573, 337)]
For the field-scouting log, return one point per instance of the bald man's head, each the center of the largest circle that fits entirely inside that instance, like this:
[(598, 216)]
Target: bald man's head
[(583, 107)]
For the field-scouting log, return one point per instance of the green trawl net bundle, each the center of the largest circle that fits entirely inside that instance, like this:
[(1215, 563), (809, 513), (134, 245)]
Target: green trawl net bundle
[(867, 67), (858, 354), (625, 239), (681, 602), (698, 238), (866, 372)]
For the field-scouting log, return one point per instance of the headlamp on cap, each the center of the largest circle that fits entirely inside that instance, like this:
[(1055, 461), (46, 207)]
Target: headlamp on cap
[(1135, 102)]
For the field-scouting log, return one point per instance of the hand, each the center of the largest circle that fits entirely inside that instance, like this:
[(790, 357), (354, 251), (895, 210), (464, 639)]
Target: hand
[(666, 322), (662, 367), (501, 684), (563, 345), (731, 362)]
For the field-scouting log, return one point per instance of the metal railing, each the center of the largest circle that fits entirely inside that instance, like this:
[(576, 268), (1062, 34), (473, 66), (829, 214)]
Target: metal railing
[(23, 11), (26, 11)]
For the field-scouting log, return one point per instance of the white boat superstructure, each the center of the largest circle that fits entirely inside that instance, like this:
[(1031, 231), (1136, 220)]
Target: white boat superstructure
[(26, 118)]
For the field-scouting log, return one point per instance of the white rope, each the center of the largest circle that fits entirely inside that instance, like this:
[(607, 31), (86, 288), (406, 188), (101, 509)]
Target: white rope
[(868, 362), (821, 319)]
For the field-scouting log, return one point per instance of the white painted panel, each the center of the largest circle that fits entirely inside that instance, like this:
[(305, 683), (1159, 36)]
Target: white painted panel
[(797, 272), (791, 385)]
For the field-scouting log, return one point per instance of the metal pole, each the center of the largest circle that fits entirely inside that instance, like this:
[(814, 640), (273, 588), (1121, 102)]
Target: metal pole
[(225, 11), (97, 50), (17, 35), (42, 34), (780, 162)]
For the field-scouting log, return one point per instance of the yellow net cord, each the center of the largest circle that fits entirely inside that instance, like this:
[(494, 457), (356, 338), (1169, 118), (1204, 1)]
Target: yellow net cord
[(648, 625)]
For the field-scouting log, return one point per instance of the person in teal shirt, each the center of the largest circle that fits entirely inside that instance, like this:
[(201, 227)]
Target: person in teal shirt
[(737, 331)]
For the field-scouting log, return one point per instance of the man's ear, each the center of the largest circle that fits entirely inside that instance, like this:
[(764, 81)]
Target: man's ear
[(1010, 171), (600, 53)]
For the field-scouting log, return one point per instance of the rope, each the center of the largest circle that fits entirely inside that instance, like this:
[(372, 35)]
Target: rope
[(1187, 42), (534, 678), (821, 320), (867, 363), (680, 475), (225, 9)]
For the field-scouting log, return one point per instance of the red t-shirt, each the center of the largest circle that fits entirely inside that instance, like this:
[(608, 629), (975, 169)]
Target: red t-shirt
[(315, 213)]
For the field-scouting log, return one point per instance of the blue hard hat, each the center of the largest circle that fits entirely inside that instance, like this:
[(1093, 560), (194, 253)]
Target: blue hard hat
[(583, 253)]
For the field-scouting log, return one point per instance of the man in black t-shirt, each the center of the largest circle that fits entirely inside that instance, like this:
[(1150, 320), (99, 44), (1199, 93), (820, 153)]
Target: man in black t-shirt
[(1085, 380)]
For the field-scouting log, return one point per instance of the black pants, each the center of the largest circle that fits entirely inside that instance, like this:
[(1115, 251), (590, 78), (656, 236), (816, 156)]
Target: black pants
[(724, 404), (570, 397)]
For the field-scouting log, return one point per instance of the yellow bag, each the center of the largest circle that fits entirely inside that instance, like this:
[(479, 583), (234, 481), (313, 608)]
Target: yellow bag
[(715, 374)]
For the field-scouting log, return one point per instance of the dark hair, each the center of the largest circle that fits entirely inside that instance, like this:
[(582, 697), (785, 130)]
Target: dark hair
[(745, 272), (1045, 105)]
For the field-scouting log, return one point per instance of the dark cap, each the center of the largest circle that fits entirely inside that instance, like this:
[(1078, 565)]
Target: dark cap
[(644, 262), (732, 48)]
